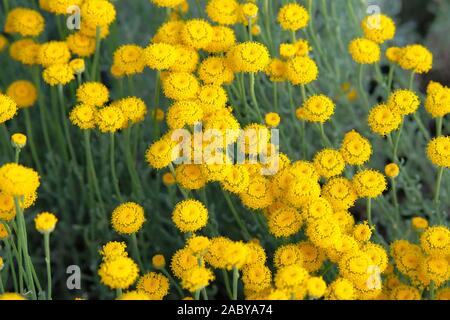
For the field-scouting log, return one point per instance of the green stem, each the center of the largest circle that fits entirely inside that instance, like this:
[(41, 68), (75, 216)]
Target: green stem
[(118, 293), (97, 53), (236, 215), (174, 282), (6, 6), (397, 141), (394, 192), (204, 294), (136, 182), (48, 264), (227, 283), (362, 90), (437, 188), (7, 140), (11, 262), (439, 122), (369, 211), (253, 95), (42, 108), (137, 254), (29, 130), (183, 192), (66, 126), (112, 164), (390, 77), (235, 282), (197, 295), (325, 140), (275, 97)]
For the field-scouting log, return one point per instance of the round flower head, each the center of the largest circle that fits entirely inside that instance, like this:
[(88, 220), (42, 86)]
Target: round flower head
[(197, 33), (167, 3), (169, 32), (134, 109), (25, 51), (215, 70), (129, 59), (416, 58), (301, 70), (303, 190), (110, 119), (324, 232), (341, 289), (212, 97), (235, 255), (438, 151), (355, 149), (237, 179), (59, 6), (197, 278), (159, 261), (362, 232), (378, 28), (317, 208), (436, 240), (392, 170), (258, 194), (160, 56), (119, 273), (78, 66), (113, 250), (225, 12), (154, 285), (329, 163), (58, 74), (45, 222), (436, 269), (128, 218), (17, 180), (18, 140), (288, 255), (438, 100), (293, 17), (27, 22), (11, 296), (316, 287), (288, 50), (403, 102), (291, 278), (81, 45), (190, 215), (134, 296), (364, 51), (443, 294), (340, 193), (93, 93), (223, 38), (8, 108), (181, 86), (3, 43), (272, 119), (182, 262), (285, 222), (83, 116), (256, 277), (198, 245), (318, 108), (183, 113), (383, 120), (369, 183), (248, 57), (98, 12), (419, 223), (187, 59), (190, 176), (276, 70), (393, 54), (53, 52), (90, 30)]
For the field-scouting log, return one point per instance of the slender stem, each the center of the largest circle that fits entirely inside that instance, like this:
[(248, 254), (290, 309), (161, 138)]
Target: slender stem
[(118, 293), (411, 80), (183, 192), (325, 139), (112, 163), (97, 53), (48, 264), (437, 188), (369, 211), (29, 130), (204, 294), (197, 295), (275, 97), (136, 182), (397, 141), (421, 126), (236, 215), (390, 77), (267, 18), (137, 254), (7, 140), (394, 192), (253, 95), (227, 283), (6, 6), (174, 282), (66, 126), (91, 168), (235, 282), (362, 90), (42, 108), (432, 291), (439, 122), (11, 262)]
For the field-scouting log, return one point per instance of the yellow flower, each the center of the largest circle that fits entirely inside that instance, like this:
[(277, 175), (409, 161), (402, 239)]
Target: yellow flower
[(288, 255), (110, 119), (26, 22), (58, 74), (134, 296), (291, 278), (317, 208), (23, 93), (3, 43), (224, 12), (250, 10), (197, 278), (11, 296), (215, 70), (378, 28), (438, 151), (443, 294), (167, 3), (393, 54), (133, 109), (362, 232), (272, 119), (154, 285), (161, 153), (169, 32), (181, 86), (25, 51), (235, 255), (190, 215), (190, 176), (81, 45), (316, 287), (237, 179), (223, 38), (119, 273), (324, 233), (198, 245), (341, 289), (340, 193), (129, 59), (160, 56), (355, 149), (113, 250), (256, 277), (301, 70), (329, 163), (83, 116), (168, 179), (436, 240), (197, 33), (369, 183), (250, 57), (383, 120), (436, 268), (216, 252), (183, 113), (60, 6), (3, 231), (276, 70), (8, 108), (93, 93), (53, 52), (78, 65), (45, 222), (364, 51), (128, 218), (403, 102), (98, 12), (183, 261), (303, 190), (419, 223), (17, 180), (159, 261), (318, 108), (416, 58), (285, 222), (404, 292), (258, 194), (438, 100), (312, 256), (392, 170), (293, 17)]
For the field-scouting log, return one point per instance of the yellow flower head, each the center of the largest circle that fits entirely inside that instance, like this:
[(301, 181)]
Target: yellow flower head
[(223, 38), (110, 119), (181, 86), (303, 190), (393, 54), (25, 51), (392, 170), (182, 262), (119, 273), (364, 51), (436, 240), (3, 42), (81, 45), (249, 57), (288, 255), (197, 33), (83, 116), (154, 285), (438, 151), (291, 278), (160, 56), (341, 289), (129, 59), (197, 278), (340, 193), (24, 21), (113, 250), (183, 113), (256, 277), (329, 163), (17, 180), (133, 109), (404, 292), (58, 74), (235, 255), (438, 100), (316, 287), (301, 70), (258, 194), (272, 119), (237, 179), (285, 222), (225, 12), (167, 3), (362, 232), (215, 70), (355, 149), (11, 296), (98, 12), (169, 32), (378, 28), (318, 108), (45, 222), (159, 261), (419, 223), (416, 58), (293, 17), (59, 6), (403, 102), (190, 215), (313, 257), (383, 120), (216, 252), (53, 52), (190, 176), (78, 65), (93, 93), (128, 218), (369, 183), (276, 70), (8, 108), (324, 233), (23, 93), (3, 231), (161, 153)]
